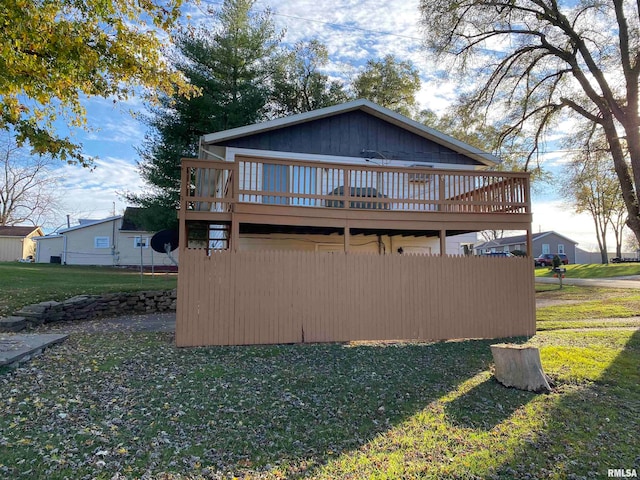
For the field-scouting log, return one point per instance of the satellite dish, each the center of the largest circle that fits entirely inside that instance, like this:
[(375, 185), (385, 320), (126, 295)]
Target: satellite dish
[(165, 241)]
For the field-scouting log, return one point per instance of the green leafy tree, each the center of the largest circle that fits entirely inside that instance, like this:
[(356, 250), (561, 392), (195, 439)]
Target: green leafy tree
[(55, 52), (390, 83), (536, 62), (298, 84), (231, 65)]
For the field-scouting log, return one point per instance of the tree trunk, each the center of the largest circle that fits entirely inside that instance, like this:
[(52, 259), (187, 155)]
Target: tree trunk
[(627, 182), (601, 236)]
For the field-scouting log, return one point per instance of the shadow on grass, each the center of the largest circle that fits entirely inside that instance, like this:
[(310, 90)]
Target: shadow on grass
[(486, 405), (230, 409), (321, 406), (601, 418)]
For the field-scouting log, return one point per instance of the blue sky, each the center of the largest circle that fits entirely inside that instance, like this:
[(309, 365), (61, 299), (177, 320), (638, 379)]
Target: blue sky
[(353, 31)]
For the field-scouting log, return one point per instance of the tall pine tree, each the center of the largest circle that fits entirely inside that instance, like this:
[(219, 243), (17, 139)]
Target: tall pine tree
[(231, 65)]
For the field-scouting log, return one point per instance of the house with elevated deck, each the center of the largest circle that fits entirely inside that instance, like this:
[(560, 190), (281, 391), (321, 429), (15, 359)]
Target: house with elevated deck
[(333, 225)]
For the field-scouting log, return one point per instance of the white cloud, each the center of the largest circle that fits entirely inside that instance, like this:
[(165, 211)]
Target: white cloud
[(118, 128), (93, 193)]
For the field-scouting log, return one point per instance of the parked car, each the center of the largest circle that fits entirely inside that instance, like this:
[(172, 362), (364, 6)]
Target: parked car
[(546, 259)]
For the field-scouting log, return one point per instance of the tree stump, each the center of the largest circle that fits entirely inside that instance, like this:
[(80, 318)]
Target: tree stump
[(519, 366)]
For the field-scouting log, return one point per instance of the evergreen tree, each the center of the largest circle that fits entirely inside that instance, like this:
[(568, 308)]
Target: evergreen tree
[(231, 66)]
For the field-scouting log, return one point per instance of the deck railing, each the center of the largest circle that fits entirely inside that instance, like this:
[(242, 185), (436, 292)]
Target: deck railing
[(215, 186)]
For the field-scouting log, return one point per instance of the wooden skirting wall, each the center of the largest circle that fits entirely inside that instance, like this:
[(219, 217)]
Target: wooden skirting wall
[(265, 297)]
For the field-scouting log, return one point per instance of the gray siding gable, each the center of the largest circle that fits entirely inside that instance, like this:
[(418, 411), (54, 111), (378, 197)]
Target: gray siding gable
[(351, 134)]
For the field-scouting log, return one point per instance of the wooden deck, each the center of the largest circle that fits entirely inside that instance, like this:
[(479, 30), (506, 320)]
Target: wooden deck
[(266, 191)]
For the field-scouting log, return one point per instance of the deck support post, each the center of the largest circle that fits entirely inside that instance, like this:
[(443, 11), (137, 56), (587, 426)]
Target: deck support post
[(235, 233), (182, 212), (347, 238), (529, 243), (443, 243)]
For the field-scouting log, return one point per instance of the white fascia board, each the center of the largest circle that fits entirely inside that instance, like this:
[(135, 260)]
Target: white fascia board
[(137, 233), (232, 152), (280, 122), (86, 225), (46, 237), (376, 110)]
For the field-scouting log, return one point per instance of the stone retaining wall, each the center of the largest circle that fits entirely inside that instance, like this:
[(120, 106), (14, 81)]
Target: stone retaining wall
[(87, 307)]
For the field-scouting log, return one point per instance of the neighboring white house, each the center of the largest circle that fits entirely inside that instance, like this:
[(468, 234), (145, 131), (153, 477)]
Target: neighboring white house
[(112, 241), (17, 243)]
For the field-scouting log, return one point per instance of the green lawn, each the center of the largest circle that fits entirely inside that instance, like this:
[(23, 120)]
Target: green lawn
[(135, 404), (594, 270), (589, 308), (25, 283)]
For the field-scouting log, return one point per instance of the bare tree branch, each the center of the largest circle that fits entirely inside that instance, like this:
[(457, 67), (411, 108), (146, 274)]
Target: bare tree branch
[(27, 186)]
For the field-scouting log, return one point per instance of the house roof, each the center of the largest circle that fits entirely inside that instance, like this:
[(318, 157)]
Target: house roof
[(88, 223), (129, 222), (520, 240), (18, 231), (367, 107)]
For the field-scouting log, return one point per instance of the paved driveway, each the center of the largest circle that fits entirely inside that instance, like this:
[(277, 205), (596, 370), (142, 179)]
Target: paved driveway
[(614, 282)]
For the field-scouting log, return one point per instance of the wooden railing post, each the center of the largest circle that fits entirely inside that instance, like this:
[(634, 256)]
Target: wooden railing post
[(184, 182), (441, 194), (235, 225), (347, 187)]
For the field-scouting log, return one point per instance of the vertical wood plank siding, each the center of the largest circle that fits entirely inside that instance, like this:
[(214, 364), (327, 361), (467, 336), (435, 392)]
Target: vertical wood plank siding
[(351, 134), (265, 297)]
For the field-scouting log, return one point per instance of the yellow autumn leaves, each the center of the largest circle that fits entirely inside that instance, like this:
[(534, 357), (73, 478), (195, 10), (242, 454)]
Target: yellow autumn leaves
[(54, 53)]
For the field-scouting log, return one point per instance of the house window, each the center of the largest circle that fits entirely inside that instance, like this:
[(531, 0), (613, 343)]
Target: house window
[(101, 242), (141, 242), (545, 248), (519, 247), (561, 248), (275, 178), (505, 249)]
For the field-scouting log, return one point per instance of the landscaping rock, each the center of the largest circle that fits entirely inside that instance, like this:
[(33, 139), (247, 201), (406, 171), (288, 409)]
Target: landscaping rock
[(20, 348), (82, 307), (12, 324), (519, 366)]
